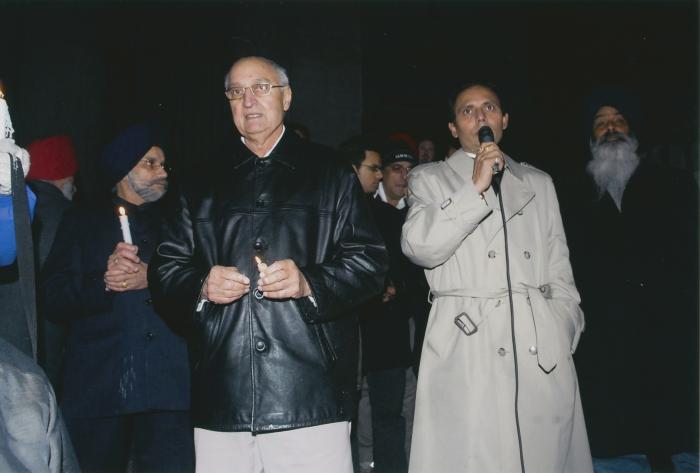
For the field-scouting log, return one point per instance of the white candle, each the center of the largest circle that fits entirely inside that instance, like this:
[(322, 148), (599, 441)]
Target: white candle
[(124, 221), (6, 130)]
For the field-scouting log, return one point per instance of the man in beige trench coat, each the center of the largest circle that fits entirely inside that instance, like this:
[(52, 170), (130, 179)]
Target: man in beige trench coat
[(466, 418)]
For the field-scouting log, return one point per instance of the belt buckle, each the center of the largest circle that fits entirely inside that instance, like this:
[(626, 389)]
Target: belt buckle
[(466, 324), (546, 291)]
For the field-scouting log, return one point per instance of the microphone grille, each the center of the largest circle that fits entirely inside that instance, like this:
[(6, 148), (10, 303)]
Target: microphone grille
[(486, 135)]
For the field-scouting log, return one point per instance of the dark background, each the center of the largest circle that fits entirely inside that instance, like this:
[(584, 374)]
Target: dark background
[(90, 69)]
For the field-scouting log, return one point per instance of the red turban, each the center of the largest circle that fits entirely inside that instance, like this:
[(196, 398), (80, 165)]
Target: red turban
[(52, 159)]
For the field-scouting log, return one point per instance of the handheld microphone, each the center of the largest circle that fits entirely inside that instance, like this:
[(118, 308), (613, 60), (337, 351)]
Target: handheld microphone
[(486, 136)]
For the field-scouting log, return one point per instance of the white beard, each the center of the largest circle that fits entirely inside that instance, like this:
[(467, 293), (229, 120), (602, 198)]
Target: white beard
[(147, 189), (68, 190), (612, 164)]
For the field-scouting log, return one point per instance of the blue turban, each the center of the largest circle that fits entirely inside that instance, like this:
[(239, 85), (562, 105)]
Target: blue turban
[(127, 149)]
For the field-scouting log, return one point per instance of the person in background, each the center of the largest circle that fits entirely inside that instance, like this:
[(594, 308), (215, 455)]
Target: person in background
[(426, 151), (365, 160), (126, 390), (52, 178), (633, 232), (34, 437)]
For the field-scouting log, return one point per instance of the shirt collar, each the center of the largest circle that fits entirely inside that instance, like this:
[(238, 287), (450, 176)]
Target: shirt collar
[(382, 195), (273, 146)]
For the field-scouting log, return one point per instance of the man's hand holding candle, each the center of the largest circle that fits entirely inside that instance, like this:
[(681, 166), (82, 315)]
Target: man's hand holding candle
[(125, 270), (282, 280)]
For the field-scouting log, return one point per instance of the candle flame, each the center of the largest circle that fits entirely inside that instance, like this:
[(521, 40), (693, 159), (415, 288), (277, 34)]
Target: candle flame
[(122, 211), (258, 260)]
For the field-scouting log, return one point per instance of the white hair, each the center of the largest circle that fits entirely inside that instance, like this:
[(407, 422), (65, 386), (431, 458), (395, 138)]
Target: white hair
[(281, 71)]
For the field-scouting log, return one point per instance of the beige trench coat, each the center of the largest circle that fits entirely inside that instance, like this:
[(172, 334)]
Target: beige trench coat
[(465, 419)]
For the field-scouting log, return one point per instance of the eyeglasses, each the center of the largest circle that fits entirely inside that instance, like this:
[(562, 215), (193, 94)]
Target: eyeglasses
[(372, 167), (259, 89), (155, 165)]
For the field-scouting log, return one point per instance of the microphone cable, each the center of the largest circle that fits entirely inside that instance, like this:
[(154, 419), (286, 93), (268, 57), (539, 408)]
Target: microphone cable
[(496, 184)]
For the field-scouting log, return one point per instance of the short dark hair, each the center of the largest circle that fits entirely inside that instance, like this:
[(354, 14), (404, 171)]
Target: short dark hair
[(353, 149), (452, 99)]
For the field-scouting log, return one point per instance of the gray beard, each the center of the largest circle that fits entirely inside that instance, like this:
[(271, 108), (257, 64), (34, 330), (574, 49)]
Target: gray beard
[(612, 164), (147, 190)]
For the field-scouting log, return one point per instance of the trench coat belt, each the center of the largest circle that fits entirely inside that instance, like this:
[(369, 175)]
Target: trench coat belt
[(542, 316)]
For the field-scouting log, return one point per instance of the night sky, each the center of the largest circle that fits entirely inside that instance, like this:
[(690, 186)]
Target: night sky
[(89, 69)]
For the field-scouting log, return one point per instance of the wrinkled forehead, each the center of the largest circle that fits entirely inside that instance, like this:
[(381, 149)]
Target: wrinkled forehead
[(252, 70), (477, 95), (396, 165), (606, 112)]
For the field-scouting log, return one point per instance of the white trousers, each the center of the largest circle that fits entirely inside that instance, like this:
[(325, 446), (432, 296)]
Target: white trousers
[(319, 449)]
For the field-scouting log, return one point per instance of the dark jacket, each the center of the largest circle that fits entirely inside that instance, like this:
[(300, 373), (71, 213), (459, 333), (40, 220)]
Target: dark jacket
[(637, 274), (266, 365), (121, 358), (384, 325), (50, 206)]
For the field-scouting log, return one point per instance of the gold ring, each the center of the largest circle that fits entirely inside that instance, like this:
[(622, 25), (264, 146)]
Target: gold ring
[(124, 284)]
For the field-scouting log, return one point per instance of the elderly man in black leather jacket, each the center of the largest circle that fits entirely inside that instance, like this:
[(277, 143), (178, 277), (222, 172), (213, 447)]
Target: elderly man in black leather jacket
[(266, 259)]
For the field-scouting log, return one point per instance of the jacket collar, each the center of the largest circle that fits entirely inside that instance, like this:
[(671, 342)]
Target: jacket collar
[(284, 152), (517, 193)]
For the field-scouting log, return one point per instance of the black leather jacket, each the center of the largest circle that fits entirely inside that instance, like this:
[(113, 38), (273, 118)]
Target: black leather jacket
[(266, 365)]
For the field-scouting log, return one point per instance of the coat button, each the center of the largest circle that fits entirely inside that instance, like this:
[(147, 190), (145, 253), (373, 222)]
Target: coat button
[(149, 301), (532, 350), (149, 335), (492, 254), (526, 254), (260, 203), (144, 241), (260, 346), (259, 245), (502, 351)]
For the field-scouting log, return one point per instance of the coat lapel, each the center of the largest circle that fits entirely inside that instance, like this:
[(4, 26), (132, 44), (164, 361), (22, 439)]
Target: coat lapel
[(516, 193)]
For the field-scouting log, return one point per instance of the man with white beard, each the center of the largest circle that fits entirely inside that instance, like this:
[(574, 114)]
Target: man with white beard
[(633, 241), (614, 154)]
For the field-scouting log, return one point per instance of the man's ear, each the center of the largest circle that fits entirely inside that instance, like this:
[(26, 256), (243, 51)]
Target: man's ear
[(453, 129), (504, 121), (287, 98)]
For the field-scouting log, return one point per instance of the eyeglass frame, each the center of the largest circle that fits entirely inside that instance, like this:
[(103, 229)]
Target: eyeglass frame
[(252, 91), (152, 165)]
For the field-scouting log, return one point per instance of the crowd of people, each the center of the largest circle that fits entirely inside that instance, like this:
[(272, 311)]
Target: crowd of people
[(377, 307)]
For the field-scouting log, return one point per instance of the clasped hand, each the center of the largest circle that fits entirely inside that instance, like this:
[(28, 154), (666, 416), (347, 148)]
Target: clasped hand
[(125, 270)]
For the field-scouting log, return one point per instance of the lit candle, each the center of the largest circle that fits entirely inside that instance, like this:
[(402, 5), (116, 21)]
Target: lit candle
[(124, 221), (259, 261), (261, 267), (6, 129)]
